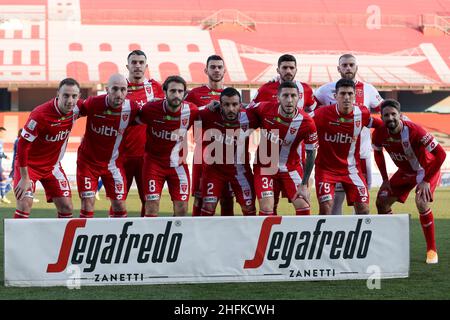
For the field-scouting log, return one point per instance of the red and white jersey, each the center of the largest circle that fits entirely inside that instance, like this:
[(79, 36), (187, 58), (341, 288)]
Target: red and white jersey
[(365, 96), (339, 141), (167, 131), (268, 93), (105, 127), (133, 144), (410, 149), (48, 130), (286, 133), (203, 95), (229, 138)]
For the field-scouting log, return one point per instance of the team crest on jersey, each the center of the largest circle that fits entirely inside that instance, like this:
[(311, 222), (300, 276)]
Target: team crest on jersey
[(148, 89), (359, 92), (244, 127), (183, 188), (32, 124), (362, 191), (358, 123), (119, 187), (247, 193), (293, 130), (63, 184), (125, 116), (300, 96), (406, 144), (184, 122)]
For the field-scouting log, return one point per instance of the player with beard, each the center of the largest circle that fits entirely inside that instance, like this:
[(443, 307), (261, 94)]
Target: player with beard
[(283, 127), (287, 70), (40, 148), (225, 157), (419, 157), (167, 123), (365, 96), (201, 96), (141, 90)]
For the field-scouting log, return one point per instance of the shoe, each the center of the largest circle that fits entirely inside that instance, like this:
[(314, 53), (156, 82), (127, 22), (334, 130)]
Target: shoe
[(5, 200), (97, 196), (35, 200), (432, 257)]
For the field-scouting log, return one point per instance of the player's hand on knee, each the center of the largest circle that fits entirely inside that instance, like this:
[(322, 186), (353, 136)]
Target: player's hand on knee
[(386, 185), (423, 191), (302, 193), (21, 188)]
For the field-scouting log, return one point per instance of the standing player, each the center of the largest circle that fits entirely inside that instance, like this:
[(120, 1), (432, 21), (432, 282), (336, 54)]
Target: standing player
[(40, 150), (366, 96), (418, 157), (108, 116), (167, 122), (226, 157), (339, 127), (287, 70), (140, 90), (201, 96), (283, 127)]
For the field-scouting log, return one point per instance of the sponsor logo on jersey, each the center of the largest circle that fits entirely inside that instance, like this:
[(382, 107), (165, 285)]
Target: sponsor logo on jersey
[(87, 194), (344, 120), (61, 135), (108, 131), (32, 124), (177, 135), (326, 197), (266, 194), (88, 251), (302, 245), (396, 156), (426, 138), (338, 138), (210, 199), (152, 197)]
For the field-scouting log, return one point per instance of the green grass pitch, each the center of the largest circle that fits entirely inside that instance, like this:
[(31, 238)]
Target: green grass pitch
[(425, 281)]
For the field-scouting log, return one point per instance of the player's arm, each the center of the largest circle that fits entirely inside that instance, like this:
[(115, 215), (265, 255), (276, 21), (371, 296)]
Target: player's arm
[(23, 148), (380, 161), (375, 99), (423, 189), (311, 144)]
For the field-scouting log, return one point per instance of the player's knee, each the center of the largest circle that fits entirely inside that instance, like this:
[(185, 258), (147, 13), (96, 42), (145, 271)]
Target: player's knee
[(118, 206), (361, 208), (249, 210), (325, 207), (382, 205), (421, 204), (152, 206), (65, 207), (180, 208)]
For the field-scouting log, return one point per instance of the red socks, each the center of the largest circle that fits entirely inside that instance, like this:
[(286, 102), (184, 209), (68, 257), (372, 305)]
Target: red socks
[(427, 223)]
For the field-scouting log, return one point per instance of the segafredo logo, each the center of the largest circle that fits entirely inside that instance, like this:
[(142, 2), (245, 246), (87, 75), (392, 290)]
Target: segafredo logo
[(309, 245), (91, 250)]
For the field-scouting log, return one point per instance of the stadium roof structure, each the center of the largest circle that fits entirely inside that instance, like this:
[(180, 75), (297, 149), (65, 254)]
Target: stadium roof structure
[(397, 47)]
